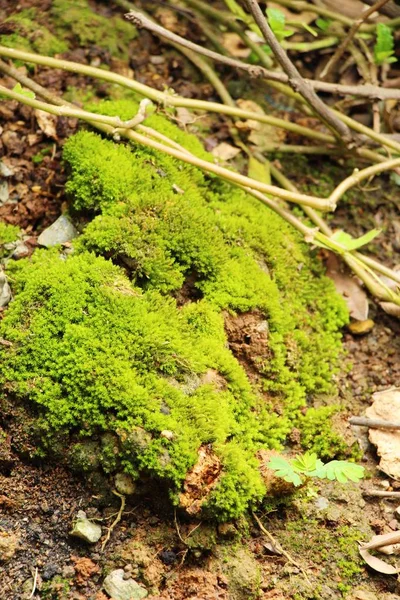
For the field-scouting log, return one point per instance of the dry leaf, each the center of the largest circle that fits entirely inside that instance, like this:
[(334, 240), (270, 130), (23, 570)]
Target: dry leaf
[(391, 309), (376, 563), (234, 44), (386, 406), (225, 151), (184, 116), (379, 542), (346, 285), (47, 123), (260, 134)]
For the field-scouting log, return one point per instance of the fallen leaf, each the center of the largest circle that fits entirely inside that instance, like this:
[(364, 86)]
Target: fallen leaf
[(361, 327), (260, 134), (235, 46), (225, 151), (386, 406), (259, 171), (47, 123), (378, 542), (376, 563), (349, 287), (391, 309)]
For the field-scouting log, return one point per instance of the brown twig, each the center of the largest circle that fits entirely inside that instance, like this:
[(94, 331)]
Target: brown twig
[(385, 539), (116, 520), (381, 494), (296, 82), (350, 36), (390, 9), (365, 91), (374, 423), (278, 546)]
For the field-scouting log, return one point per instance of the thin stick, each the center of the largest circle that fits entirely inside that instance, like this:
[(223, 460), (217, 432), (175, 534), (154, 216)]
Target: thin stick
[(374, 423), (296, 82), (254, 71), (359, 176), (277, 545), (382, 540), (381, 494), (34, 583), (350, 36), (116, 520), (124, 126)]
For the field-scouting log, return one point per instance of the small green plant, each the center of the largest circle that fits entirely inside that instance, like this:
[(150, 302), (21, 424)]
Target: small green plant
[(277, 22), (307, 466), (384, 47)]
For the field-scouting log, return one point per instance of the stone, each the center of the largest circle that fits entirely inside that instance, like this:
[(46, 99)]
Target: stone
[(8, 545), (123, 589), (21, 251), (5, 290), (124, 484), (4, 194), (59, 232), (86, 530), (5, 171)]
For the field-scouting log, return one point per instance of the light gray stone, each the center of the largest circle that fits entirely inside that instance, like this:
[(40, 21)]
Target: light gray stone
[(5, 290), (86, 530), (4, 194), (123, 589), (5, 171), (59, 232), (124, 484)]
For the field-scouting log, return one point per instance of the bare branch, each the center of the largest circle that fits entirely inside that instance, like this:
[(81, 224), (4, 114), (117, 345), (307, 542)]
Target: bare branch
[(350, 36), (296, 82), (258, 72)]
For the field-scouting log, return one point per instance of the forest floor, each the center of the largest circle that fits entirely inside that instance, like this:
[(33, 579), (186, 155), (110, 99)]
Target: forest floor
[(174, 558)]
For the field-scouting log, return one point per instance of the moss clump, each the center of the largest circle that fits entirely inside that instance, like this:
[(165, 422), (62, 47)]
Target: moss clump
[(100, 353), (319, 436), (8, 233), (30, 35), (77, 20)]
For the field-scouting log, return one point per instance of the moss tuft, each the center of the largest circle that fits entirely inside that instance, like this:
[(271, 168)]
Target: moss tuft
[(30, 35), (75, 19), (101, 350)]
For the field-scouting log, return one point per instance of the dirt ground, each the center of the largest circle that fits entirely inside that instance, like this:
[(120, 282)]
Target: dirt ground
[(173, 558)]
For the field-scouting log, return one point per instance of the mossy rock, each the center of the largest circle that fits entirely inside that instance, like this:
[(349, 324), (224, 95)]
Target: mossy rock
[(76, 20), (127, 335), (31, 35)]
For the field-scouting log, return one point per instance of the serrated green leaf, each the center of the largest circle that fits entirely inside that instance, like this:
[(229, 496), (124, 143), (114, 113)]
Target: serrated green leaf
[(277, 21), (384, 46), (20, 90)]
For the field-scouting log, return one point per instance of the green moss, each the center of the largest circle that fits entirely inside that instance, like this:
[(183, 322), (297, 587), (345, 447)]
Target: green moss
[(8, 233), (318, 434), (30, 35), (78, 21), (99, 353)]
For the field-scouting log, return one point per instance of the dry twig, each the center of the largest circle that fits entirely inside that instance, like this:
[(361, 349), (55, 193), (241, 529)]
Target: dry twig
[(374, 423), (365, 91), (116, 520)]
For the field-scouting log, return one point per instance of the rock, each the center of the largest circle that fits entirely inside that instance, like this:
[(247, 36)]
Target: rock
[(49, 571), (86, 530), (5, 290), (21, 251), (5, 171), (4, 195), (8, 545), (167, 434), (123, 589), (361, 327), (124, 484), (59, 232), (386, 406)]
